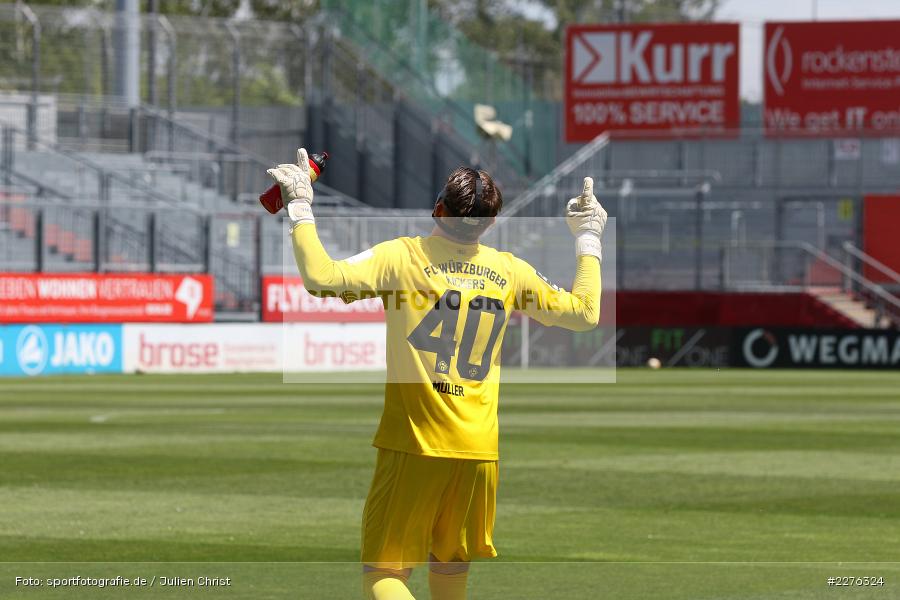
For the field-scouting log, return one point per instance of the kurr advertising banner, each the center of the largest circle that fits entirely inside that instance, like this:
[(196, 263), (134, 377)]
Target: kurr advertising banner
[(665, 77), (832, 77), (93, 298), (285, 299)]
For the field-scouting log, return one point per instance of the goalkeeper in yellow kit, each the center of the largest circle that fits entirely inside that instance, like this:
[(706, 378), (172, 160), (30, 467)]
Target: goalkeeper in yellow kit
[(447, 302)]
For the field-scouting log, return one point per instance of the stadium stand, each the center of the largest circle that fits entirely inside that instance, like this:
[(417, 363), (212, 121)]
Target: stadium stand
[(170, 184)]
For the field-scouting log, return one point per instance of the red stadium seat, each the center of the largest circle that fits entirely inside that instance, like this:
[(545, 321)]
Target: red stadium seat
[(17, 219), (84, 250), (51, 236), (67, 242)]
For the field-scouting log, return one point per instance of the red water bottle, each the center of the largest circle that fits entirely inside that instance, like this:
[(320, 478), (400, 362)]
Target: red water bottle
[(271, 198)]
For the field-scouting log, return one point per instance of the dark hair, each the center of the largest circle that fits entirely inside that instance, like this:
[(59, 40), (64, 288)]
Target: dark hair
[(459, 194)]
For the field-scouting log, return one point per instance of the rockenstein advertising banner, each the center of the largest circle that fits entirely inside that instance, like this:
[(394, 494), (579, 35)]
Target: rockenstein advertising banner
[(827, 78), (652, 78)]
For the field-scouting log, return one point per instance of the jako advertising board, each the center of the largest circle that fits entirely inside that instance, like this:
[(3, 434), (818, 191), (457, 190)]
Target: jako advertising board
[(92, 298), (57, 349), (832, 77), (663, 77)]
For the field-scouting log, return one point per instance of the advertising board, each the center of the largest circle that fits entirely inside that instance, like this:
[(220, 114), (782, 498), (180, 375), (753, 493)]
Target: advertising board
[(651, 77), (253, 347), (105, 298), (816, 348), (60, 349), (285, 299), (832, 77)]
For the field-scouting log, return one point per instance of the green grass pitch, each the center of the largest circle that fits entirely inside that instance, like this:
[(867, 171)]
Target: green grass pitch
[(668, 484)]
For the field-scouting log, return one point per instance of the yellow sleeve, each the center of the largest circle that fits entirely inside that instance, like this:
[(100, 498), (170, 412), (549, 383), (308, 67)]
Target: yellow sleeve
[(363, 275), (578, 310)]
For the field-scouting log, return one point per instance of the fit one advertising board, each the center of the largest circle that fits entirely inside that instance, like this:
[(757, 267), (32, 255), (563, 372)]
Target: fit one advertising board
[(832, 77), (651, 77), (58, 349), (623, 347), (93, 298), (285, 299)]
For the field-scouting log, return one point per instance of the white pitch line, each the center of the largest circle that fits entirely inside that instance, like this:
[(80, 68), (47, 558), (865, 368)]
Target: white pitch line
[(176, 411)]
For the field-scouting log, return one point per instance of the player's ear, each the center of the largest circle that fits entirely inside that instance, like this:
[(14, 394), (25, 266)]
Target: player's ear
[(439, 209)]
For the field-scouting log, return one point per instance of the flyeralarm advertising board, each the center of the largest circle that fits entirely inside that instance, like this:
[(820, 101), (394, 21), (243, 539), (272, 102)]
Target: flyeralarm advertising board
[(832, 77), (93, 298), (286, 299), (651, 77)]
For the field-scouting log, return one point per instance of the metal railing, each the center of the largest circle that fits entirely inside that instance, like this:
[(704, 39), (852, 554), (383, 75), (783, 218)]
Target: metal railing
[(872, 262), (892, 286), (748, 158), (186, 142), (588, 158), (46, 236), (770, 274), (238, 247), (75, 162)]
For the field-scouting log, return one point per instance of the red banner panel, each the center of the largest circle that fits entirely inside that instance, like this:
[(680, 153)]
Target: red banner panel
[(832, 77), (881, 217), (670, 78), (664, 308), (93, 298), (285, 299)]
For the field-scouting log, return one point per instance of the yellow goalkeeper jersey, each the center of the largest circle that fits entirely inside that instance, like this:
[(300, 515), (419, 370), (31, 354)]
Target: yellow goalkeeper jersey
[(447, 306)]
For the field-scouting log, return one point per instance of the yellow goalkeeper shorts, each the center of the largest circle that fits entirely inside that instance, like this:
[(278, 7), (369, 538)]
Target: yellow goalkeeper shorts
[(421, 504)]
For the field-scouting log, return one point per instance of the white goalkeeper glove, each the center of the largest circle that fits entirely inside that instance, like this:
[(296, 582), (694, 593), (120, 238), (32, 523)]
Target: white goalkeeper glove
[(296, 189), (586, 219)]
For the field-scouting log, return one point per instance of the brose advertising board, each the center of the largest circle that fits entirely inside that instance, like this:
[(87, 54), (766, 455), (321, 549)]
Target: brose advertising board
[(253, 347), (832, 77), (651, 77)]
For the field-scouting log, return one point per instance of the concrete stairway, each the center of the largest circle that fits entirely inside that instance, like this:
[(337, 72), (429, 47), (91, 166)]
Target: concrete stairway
[(852, 308)]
